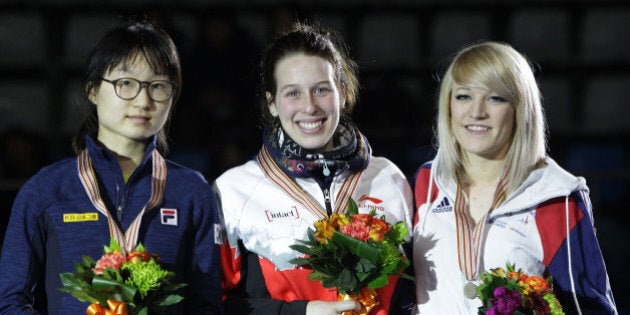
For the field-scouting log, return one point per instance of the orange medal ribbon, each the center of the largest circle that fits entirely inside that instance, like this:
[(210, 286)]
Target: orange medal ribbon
[(129, 239), (368, 298), (113, 308)]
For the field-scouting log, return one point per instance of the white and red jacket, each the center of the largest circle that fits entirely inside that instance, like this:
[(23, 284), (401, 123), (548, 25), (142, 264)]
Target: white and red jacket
[(261, 222), (529, 230)]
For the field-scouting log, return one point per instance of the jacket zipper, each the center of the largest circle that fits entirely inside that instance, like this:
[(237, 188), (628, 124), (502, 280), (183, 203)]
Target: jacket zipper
[(121, 204), (327, 201)]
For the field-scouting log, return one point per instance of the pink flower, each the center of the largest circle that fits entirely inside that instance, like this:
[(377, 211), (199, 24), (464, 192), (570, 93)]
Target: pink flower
[(113, 259), (356, 230)]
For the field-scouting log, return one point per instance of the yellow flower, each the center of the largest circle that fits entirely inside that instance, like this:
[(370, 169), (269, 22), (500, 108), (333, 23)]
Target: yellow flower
[(326, 228), (499, 272), (339, 220), (324, 231)]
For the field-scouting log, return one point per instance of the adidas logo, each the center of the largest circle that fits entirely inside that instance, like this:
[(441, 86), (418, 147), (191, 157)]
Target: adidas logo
[(444, 206)]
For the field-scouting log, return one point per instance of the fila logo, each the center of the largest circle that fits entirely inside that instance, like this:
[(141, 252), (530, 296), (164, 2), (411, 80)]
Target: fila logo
[(444, 206), (168, 216)]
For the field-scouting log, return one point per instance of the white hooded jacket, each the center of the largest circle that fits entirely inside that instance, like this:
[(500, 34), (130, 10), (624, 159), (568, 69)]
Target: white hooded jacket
[(528, 229)]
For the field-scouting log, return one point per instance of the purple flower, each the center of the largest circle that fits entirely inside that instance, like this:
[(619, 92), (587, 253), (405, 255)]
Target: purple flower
[(505, 302)]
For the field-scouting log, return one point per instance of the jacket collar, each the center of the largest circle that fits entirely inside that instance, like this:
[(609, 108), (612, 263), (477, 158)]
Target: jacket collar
[(542, 184), (101, 156)]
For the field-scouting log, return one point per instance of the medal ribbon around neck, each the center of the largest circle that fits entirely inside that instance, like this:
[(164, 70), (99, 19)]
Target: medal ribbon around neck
[(471, 237), (292, 189), (129, 239)]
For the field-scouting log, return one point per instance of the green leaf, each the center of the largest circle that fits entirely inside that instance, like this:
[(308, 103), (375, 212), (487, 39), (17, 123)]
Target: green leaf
[(113, 286), (299, 261), (77, 288), (88, 262), (140, 248), (317, 275), (301, 248), (347, 282), (70, 282), (311, 237), (170, 300), (379, 281), (113, 245), (352, 207), (361, 249), (397, 233), (365, 266)]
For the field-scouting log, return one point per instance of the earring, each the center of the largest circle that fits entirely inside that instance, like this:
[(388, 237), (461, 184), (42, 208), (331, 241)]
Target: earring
[(273, 112)]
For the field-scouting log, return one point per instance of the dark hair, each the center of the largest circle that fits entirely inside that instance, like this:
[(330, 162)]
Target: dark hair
[(314, 41), (119, 46)]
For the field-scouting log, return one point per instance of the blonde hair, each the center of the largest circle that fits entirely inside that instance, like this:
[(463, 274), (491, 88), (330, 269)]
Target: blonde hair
[(503, 70)]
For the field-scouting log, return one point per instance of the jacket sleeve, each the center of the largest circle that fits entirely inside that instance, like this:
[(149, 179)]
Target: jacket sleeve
[(575, 261), (246, 292), (244, 288), (21, 264), (205, 281)]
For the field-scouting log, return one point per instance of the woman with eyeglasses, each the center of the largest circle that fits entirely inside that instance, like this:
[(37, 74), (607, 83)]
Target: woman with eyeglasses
[(119, 186)]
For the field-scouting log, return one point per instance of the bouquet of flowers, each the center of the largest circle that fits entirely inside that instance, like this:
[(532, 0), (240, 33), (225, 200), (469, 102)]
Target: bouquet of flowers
[(355, 253), (122, 284), (514, 292)]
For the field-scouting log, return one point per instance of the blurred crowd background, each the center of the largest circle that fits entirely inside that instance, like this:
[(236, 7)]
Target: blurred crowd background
[(579, 48)]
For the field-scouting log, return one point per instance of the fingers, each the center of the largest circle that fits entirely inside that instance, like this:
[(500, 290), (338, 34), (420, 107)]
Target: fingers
[(332, 308), (342, 306)]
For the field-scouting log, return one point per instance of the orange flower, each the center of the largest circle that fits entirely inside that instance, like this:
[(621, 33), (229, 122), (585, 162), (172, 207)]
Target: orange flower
[(138, 256), (537, 284), (515, 275), (378, 230)]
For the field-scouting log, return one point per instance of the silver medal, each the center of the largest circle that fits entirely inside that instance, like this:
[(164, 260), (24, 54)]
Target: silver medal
[(470, 290)]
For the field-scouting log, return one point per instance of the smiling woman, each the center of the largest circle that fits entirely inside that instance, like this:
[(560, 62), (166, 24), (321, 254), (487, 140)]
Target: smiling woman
[(482, 122), (493, 197), (312, 161), (308, 101)]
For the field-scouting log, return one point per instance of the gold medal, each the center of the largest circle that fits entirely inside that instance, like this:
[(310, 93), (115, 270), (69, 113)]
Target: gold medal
[(470, 290)]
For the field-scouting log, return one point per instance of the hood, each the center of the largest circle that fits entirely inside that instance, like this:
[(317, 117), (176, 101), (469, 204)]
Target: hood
[(543, 184)]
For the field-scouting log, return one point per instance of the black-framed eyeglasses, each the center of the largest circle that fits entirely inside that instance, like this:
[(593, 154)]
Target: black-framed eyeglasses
[(129, 88)]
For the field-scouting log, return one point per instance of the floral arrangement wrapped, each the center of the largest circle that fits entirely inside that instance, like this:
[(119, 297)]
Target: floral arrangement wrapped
[(355, 253), (510, 291), (122, 284)]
